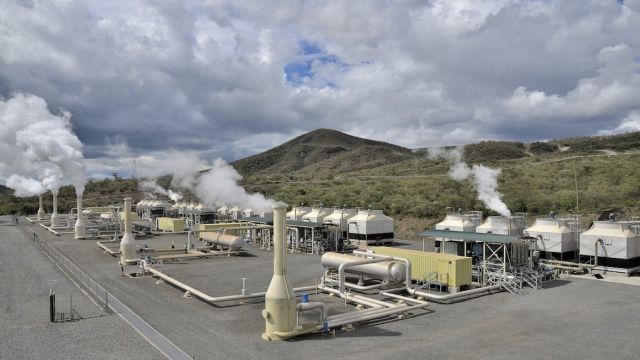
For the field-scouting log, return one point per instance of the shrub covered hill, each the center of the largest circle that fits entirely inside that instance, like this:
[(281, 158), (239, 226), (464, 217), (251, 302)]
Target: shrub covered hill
[(336, 169)]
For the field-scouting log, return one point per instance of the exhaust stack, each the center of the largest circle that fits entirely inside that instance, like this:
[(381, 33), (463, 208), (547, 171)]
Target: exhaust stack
[(127, 243), (80, 230), (41, 213), (280, 300), (55, 218)]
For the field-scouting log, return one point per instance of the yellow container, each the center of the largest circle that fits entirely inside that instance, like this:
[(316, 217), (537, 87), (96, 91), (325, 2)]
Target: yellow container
[(451, 270), (134, 216), (222, 226), (170, 224)]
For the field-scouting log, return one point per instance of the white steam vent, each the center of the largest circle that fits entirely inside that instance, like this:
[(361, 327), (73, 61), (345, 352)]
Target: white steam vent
[(485, 179)]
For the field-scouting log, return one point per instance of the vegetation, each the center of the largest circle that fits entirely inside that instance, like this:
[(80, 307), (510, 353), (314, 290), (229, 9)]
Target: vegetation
[(337, 169)]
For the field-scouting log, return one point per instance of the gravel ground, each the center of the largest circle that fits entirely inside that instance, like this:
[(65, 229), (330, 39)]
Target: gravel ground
[(26, 276), (570, 319)]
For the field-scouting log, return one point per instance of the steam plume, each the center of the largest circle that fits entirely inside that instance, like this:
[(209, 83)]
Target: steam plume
[(151, 187), (38, 150), (485, 179)]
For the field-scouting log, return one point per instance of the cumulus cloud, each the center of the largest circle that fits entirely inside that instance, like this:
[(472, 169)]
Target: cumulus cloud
[(211, 76)]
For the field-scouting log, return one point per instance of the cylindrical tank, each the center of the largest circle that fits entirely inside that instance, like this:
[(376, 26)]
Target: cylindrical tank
[(80, 231), (280, 301), (230, 241), (127, 243), (40, 209), (55, 218), (392, 271)]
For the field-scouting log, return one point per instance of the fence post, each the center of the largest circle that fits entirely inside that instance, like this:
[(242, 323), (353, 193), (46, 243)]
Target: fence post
[(52, 306)]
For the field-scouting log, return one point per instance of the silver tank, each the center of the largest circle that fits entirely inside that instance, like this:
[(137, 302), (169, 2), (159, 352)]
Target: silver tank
[(392, 271), (230, 241)]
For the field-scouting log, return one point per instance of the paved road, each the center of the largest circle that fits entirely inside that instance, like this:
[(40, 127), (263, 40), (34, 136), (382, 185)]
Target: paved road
[(26, 276)]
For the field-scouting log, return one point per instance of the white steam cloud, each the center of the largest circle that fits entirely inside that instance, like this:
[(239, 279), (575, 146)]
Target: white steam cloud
[(485, 179), (38, 150), (151, 187), (215, 184), (219, 186)]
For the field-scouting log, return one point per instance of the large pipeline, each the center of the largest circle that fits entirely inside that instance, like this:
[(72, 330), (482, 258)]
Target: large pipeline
[(214, 299)]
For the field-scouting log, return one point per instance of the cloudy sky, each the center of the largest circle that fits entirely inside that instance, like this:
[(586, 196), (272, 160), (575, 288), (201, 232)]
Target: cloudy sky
[(231, 78)]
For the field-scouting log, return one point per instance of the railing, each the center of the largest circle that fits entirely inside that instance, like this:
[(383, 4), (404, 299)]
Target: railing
[(97, 292)]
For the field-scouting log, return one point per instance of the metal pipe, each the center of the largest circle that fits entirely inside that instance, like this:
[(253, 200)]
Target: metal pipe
[(569, 263), (211, 299), (356, 298), (595, 260), (312, 306), (344, 266)]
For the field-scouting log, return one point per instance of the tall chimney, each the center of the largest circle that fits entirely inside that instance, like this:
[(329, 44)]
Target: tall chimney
[(80, 230), (41, 213), (55, 218), (280, 300), (127, 243)]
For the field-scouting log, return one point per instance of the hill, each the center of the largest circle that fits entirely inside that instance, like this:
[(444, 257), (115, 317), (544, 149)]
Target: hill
[(322, 150), (335, 168)]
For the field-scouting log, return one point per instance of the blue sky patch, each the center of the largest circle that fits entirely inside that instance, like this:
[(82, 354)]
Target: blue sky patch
[(300, 70)]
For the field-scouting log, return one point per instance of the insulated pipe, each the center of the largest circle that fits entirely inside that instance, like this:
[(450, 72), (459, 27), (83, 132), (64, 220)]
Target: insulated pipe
[(595, 261), (41, 213), (352, 320), (314, 305), (211, 299), (345, 265), (356, 298), (569, 263), (430, 296)]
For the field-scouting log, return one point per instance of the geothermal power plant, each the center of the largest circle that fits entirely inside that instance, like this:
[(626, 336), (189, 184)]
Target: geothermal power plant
[(329, 270)]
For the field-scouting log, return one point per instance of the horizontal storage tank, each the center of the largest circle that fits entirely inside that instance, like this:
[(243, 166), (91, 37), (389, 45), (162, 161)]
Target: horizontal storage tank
[(297, 213), (618, 243), (170, 224), (554, 236), (340, 218), (502, 225), (317, 215), (228, 241), (451, 270), (391, 271), (370, 226)]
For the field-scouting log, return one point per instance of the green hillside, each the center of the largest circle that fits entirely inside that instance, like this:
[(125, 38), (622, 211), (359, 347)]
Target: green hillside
[(329, 167)]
